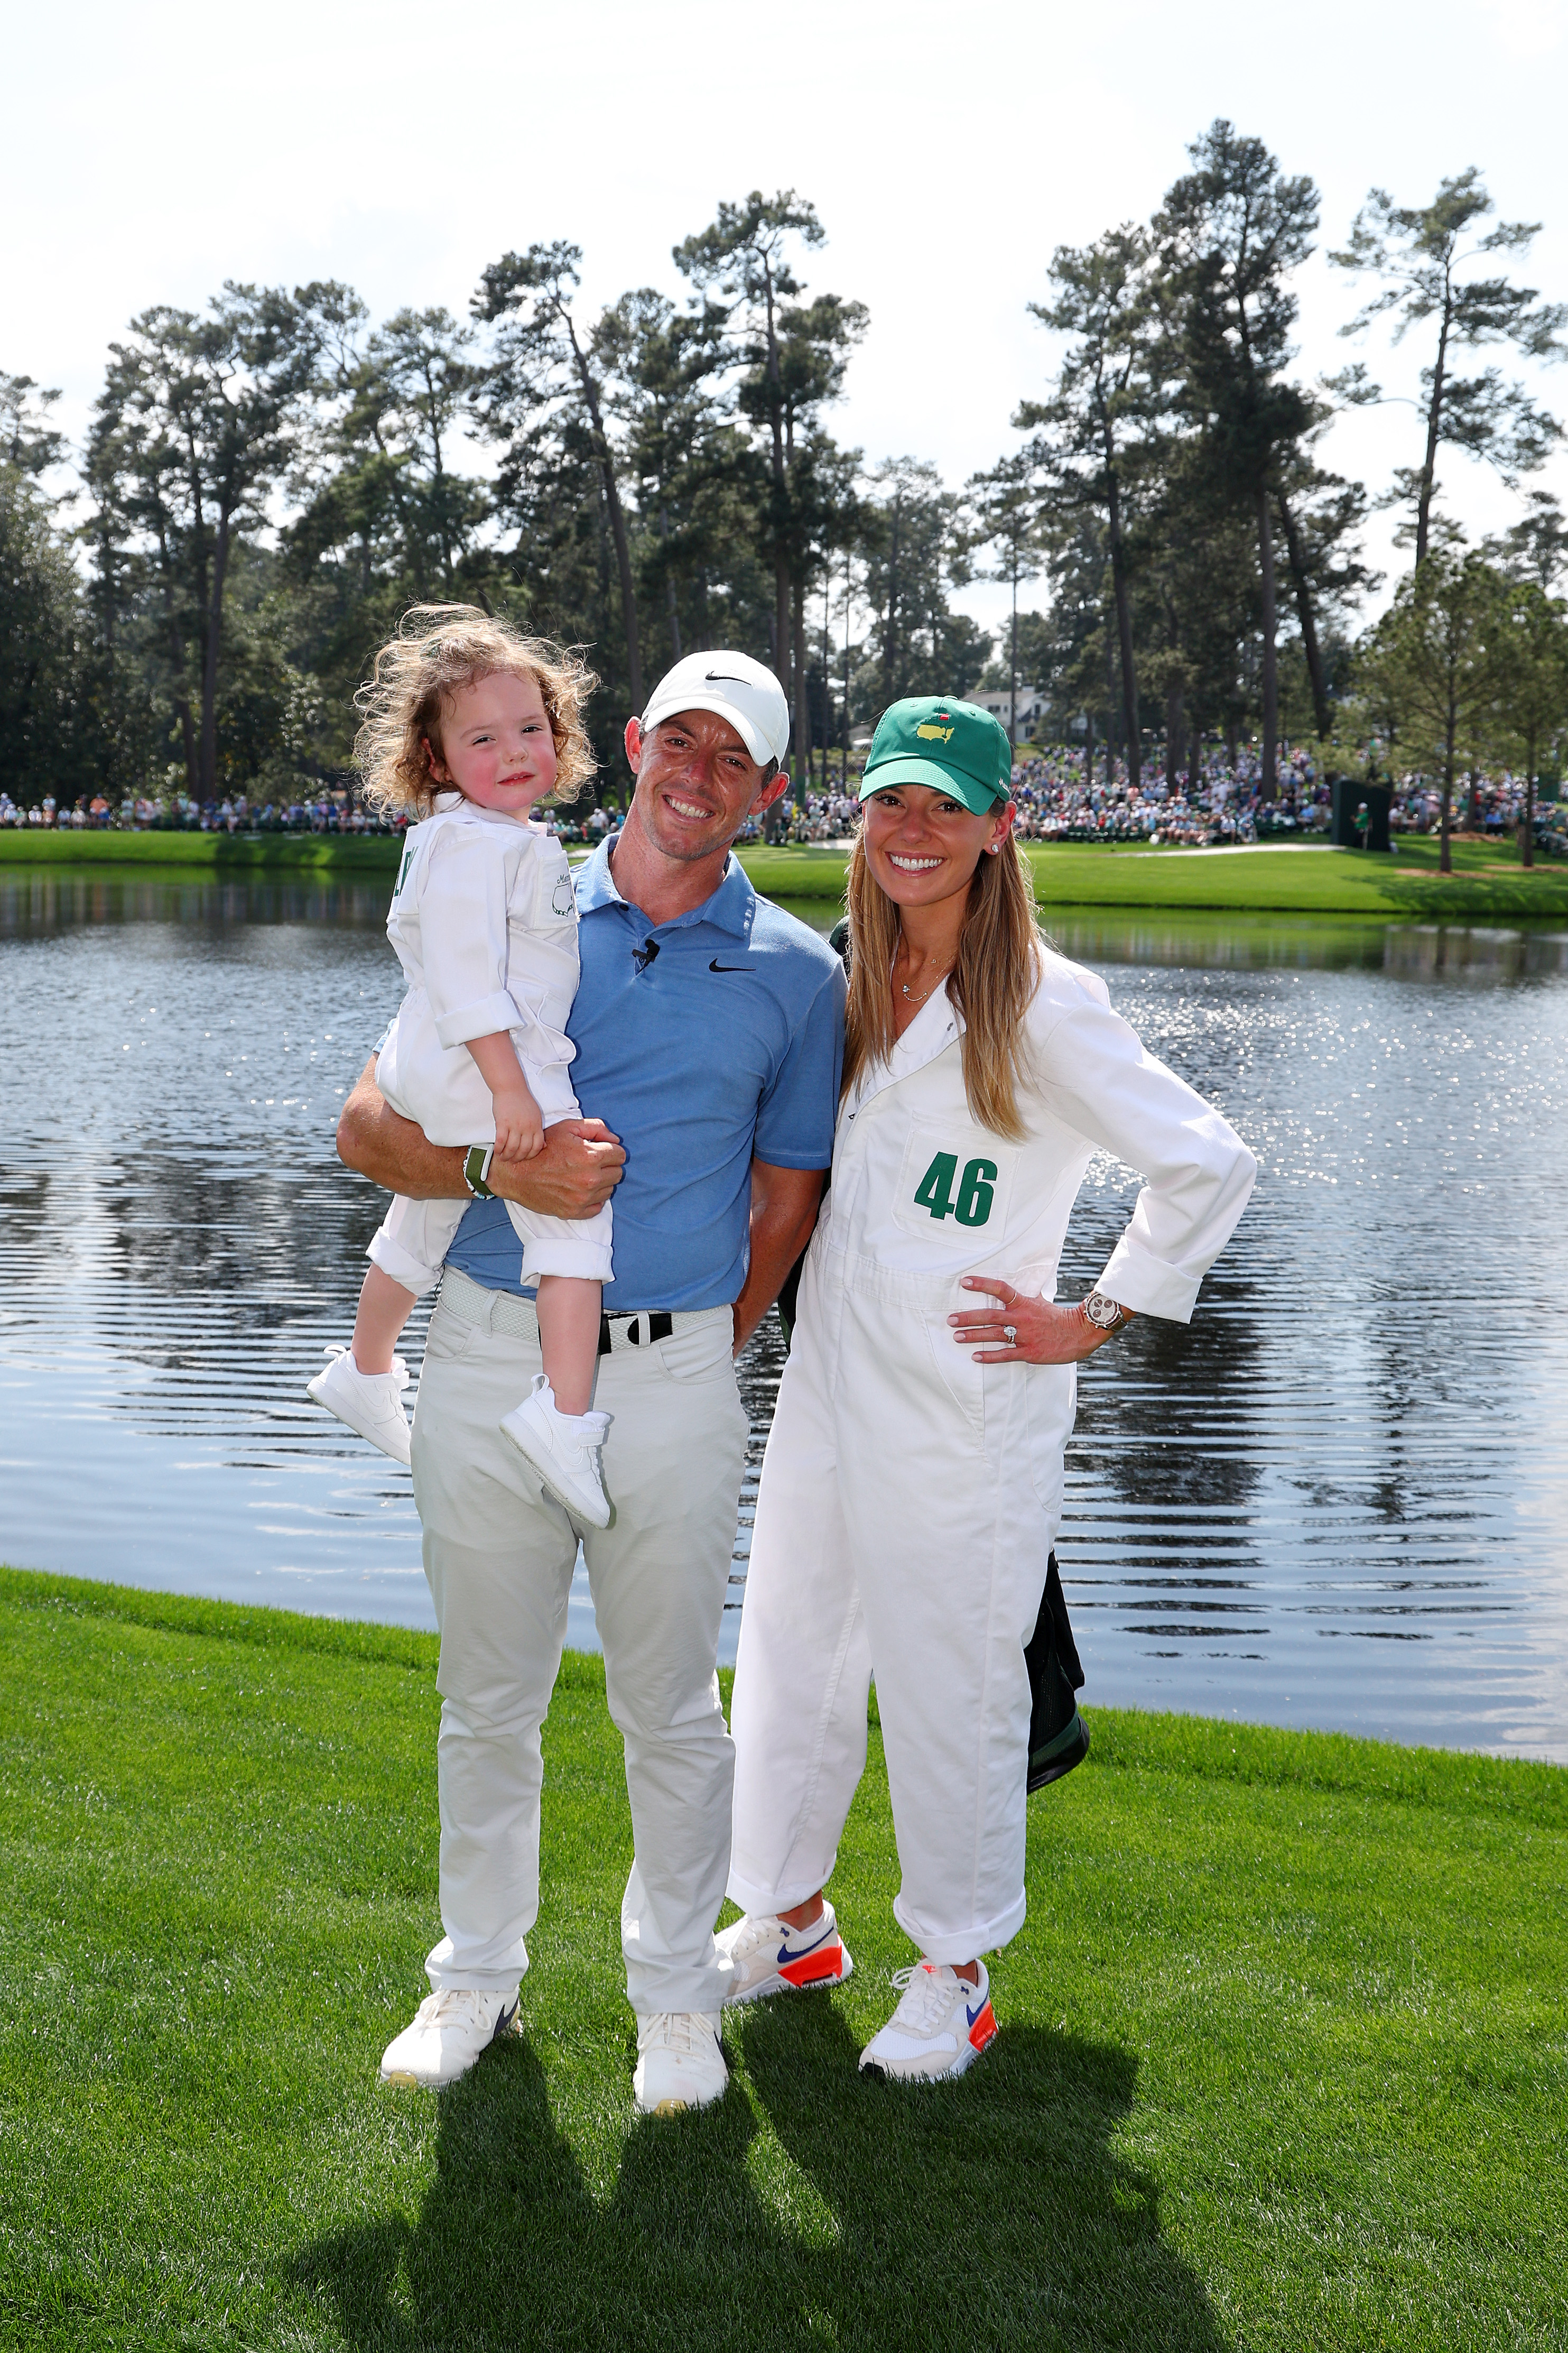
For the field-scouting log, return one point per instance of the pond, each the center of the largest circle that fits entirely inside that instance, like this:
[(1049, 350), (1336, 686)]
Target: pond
[(1338, 1499)]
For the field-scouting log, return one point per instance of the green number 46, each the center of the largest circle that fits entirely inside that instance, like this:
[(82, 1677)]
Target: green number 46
[(973, 1207)]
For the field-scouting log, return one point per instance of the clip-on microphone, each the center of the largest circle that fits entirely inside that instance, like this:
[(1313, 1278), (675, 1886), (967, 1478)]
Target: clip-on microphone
[(642, 957)]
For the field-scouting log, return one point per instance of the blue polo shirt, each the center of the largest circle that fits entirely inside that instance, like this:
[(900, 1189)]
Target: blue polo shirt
[(702, 1044)]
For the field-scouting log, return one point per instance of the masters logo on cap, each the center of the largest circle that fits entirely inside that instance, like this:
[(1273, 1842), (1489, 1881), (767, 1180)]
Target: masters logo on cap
[(952, 748)]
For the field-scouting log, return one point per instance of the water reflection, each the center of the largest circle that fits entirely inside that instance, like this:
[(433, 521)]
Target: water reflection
[(1335, 1499)]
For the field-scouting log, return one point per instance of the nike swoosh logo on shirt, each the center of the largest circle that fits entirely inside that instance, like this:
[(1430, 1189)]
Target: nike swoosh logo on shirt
[(717, 966)]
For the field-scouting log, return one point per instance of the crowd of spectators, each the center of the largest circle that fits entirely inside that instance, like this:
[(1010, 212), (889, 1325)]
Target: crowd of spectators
[(1062, 797), (1061, 794)]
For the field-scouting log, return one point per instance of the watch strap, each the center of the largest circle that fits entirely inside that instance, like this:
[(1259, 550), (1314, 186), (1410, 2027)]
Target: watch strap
[(477, 1169)]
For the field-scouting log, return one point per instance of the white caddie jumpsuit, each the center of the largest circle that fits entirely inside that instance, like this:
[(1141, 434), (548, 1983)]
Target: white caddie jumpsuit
[(484, 922), (910, 1497)]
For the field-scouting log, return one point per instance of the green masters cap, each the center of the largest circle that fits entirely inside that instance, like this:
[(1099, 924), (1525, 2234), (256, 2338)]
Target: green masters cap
[(953, 747)]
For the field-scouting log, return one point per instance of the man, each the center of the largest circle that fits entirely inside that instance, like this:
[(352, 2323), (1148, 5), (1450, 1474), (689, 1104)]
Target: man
[(709, 1026)]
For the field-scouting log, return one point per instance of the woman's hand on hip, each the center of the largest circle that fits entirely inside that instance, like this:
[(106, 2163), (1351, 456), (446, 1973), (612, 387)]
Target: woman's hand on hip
[(1021, 1330)]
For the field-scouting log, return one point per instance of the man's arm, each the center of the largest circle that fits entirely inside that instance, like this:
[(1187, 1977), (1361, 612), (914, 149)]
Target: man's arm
[(572, 1177), (785, 1203)]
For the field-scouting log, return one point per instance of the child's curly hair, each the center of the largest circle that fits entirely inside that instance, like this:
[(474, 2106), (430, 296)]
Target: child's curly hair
[(438, 649)]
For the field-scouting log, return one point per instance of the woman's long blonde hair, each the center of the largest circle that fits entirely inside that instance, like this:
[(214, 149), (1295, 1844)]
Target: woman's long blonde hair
[(438, 649), (992, 983)]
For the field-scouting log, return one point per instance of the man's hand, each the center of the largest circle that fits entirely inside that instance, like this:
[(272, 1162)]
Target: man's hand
[(572, 1177), (785, 1202)]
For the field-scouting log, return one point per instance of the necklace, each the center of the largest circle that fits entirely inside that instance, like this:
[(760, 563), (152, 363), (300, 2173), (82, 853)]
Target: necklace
[(909, 992)]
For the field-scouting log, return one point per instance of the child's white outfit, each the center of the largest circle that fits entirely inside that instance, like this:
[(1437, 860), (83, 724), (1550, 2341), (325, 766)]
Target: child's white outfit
[(484, 922)]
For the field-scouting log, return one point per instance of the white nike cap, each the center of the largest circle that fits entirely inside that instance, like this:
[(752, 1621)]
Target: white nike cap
[(738, 688)]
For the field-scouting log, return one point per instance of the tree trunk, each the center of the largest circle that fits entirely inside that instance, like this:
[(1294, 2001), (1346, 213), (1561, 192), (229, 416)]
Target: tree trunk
[(208, 769), (1110, 716), (1012, 668), (848, 598), (1321, 715), (1434, 429), (1174, 732), (603, 452), (802, 724), (1526, 840), (1123, 619), (669, 589), (1269, 785), (177, 661), (782, 636)]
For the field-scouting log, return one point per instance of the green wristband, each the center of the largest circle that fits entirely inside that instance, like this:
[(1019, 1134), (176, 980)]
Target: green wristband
[(476, 1168)]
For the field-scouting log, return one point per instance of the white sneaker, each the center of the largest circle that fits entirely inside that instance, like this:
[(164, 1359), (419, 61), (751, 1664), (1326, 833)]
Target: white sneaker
[(939, 2028), (448, 2032), (563, 1449), (766, 1957), (368, 1402), (680, 2064)]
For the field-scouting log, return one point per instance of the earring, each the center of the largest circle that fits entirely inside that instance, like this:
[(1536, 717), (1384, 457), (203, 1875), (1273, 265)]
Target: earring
[(992, 848)]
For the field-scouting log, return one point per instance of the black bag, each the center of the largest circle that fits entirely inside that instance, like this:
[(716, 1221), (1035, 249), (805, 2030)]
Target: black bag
[(1059, 1736)]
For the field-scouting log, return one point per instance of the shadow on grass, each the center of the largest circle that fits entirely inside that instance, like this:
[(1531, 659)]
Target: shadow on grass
[(990, 2212)]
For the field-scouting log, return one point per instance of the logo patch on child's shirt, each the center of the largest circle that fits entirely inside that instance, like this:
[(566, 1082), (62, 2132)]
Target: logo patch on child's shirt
[(562, 901)]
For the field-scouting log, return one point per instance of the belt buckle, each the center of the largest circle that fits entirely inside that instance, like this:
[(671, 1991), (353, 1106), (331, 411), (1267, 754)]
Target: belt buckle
[(661, 1325)]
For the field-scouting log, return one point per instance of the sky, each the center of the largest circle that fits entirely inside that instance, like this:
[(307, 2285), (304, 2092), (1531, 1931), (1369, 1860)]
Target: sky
[(152, 152)]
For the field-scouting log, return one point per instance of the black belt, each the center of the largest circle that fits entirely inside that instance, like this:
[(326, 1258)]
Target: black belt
[(659, 1327)]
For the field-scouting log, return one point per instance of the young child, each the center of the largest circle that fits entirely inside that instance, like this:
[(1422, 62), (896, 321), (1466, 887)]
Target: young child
[(469, 727)]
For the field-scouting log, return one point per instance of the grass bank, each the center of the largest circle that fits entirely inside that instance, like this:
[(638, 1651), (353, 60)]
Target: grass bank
[(201, 853), (1488, 884), (1282, 2062)]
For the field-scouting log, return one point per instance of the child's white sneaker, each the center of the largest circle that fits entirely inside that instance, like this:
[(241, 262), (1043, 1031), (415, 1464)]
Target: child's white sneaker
[(563, 1449), (369, 1402)]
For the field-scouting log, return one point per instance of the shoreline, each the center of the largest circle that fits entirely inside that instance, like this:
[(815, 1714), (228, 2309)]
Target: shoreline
[(1245, 879)]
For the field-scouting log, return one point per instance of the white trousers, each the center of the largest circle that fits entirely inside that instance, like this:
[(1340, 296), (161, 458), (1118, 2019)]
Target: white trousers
[(499, 1556), (411, 1240), (909, 1499)]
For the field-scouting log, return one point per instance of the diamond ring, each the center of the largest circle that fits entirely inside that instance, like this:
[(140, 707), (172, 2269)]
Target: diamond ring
[(1010, 1334)]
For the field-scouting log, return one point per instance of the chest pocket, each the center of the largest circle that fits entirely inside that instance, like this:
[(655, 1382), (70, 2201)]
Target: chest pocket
[(955, 1182)]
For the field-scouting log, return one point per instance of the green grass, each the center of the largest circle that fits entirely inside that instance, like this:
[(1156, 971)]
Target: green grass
[(1282, 2060), (1487, 884), (202, 853)]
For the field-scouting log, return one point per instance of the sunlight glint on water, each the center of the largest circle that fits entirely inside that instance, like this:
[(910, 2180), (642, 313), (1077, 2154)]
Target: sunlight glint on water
[(1337, 1499)]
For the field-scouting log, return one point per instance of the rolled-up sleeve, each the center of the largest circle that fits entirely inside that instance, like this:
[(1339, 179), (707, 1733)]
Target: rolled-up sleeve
[(1095, 1075), (463, 919)]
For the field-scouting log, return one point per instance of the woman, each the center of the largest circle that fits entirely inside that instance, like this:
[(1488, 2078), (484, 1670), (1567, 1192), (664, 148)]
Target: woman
[(912, 1486)]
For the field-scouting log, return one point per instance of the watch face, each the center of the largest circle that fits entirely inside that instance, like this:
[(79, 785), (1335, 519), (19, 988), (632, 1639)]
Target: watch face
[(1103, 1311)]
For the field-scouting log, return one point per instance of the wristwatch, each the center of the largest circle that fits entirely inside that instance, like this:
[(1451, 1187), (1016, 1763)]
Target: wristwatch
[(1104, 1313), (476, 1168)]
